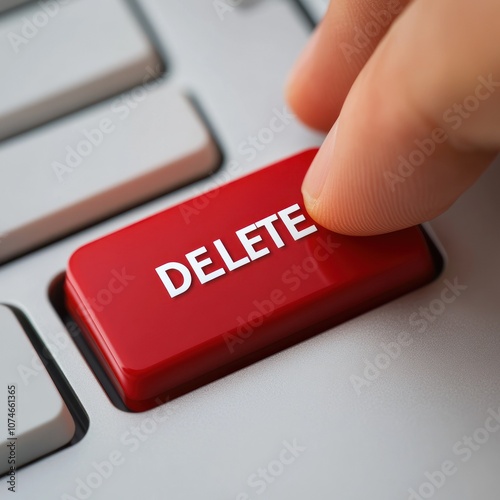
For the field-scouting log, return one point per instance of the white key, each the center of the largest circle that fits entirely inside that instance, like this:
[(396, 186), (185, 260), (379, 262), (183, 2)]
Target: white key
[(35, 419), (316, 8), (62, 55), (87, 166), (8, 4)]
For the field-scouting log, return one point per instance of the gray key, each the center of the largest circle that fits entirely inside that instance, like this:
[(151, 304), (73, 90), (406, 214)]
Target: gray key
[(56, 57)]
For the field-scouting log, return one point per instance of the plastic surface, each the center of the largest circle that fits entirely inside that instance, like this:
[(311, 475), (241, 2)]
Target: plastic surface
[(36, 419), (77, 58)]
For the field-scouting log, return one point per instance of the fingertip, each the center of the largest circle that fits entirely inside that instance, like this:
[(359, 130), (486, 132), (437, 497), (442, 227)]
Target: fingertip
[(348, 206)]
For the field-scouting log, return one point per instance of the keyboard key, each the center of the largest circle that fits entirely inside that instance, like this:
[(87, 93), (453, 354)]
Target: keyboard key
[(60, 56), (109, 157), (196, 289), (36, 420)]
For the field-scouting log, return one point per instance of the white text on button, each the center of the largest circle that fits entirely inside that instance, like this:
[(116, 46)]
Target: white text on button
[(248, 242)]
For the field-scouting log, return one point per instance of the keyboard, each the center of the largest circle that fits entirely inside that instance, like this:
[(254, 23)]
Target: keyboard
[(173, 323)]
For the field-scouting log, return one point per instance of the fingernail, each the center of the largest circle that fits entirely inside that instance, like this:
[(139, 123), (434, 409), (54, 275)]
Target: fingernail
[(304, 58), (315, 178)]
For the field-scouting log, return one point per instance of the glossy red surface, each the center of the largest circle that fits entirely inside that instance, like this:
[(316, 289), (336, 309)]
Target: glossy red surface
[(153, 344)]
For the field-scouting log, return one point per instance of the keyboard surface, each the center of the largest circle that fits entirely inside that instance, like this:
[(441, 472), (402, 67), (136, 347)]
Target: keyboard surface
[(175, 99)]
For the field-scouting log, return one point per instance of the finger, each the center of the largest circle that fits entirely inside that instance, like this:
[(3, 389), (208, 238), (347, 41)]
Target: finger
[(419, 125), (336, 52)]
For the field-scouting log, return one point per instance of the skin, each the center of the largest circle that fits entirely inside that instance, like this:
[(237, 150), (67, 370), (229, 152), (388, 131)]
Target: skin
[(432, 75)]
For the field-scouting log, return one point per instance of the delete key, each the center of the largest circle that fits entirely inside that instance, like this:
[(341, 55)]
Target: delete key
[(191, 294)]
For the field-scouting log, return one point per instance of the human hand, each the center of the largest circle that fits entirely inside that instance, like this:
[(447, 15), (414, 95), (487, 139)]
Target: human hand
[(413, 89)]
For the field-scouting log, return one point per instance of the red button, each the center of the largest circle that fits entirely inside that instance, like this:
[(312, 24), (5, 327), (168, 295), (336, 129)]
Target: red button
[(210, 285)]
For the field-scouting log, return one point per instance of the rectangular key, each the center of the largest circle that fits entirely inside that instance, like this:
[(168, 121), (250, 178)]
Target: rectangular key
[(59, 56), (85, 167), (36, 420), (200, 288)]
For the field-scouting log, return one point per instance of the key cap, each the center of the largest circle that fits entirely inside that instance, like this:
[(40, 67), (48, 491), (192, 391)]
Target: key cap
[(36, 420), (90, 165), (60, 56), (195, 291)]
